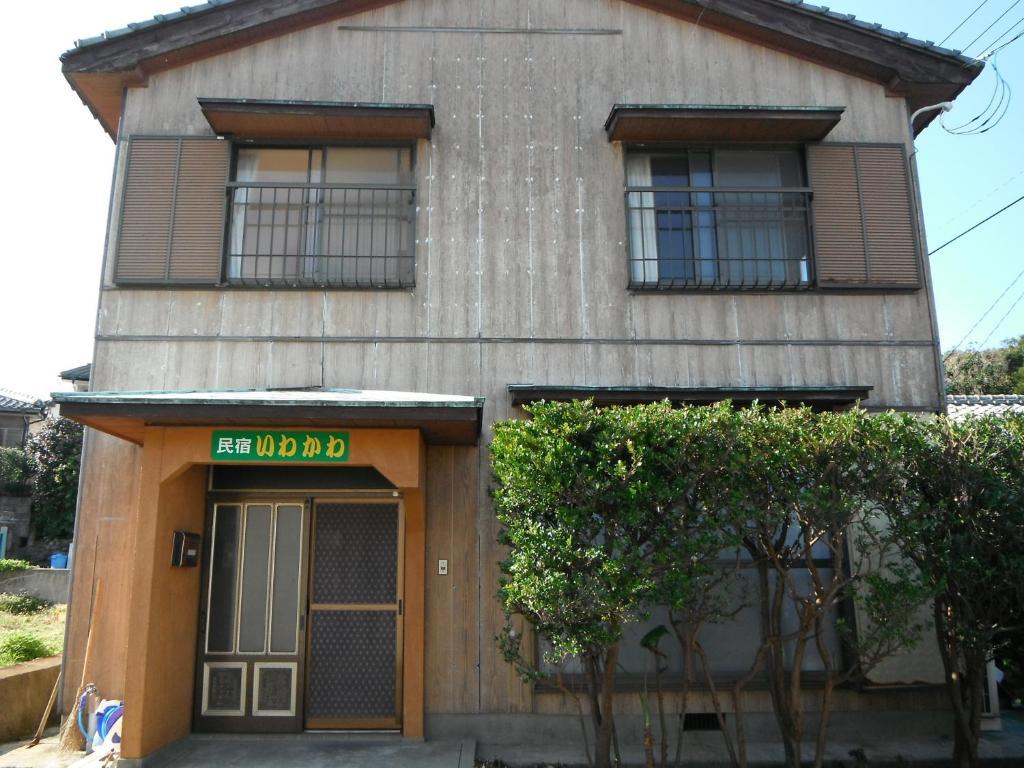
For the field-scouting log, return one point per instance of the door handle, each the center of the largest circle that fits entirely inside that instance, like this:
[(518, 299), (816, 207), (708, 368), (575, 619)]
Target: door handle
[(399, 606)]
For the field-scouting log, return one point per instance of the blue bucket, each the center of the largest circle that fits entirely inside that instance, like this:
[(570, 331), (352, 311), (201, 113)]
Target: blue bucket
[(59, 560)]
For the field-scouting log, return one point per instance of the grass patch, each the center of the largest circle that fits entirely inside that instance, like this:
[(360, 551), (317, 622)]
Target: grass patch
[(45, 625), (22, 603)]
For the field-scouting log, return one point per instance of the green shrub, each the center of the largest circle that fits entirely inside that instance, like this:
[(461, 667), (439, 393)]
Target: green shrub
[(22, 646), (21, 604), (55, 452), (15, 472), (10, 566)]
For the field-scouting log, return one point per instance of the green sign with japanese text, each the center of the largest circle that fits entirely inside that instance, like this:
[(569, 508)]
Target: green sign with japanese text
[(278, 445)]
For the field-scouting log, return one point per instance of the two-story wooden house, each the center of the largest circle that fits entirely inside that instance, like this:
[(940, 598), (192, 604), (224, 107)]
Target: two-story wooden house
[(346, 236)]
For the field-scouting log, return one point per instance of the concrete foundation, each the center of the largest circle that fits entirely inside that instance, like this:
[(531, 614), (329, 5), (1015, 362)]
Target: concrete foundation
[(24, 690)]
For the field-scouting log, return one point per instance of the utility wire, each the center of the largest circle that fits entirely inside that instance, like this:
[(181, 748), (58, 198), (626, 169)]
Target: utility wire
[(1009, 31), (983, 221), (1002, 320), (964, 211), (1002, 92), (985, 31), (1001, 47), (969, 17), (986, 314)]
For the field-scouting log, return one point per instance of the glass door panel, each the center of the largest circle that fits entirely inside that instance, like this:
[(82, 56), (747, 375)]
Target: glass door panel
[(250, 664)]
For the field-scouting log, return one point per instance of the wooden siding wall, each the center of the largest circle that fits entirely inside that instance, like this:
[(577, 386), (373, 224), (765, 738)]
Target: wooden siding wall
[(521, 264)]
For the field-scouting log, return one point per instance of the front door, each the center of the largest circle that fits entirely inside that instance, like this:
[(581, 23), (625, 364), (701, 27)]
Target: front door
[(251, 633), (354, 642)]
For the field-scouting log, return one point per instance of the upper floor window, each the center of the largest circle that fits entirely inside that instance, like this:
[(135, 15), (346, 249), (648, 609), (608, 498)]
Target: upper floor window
[(718, 218), (334, 216)]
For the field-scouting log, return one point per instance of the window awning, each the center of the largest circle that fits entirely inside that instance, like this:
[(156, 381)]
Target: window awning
[(823, 397), (318, 120), (443, 419), (704, 122)]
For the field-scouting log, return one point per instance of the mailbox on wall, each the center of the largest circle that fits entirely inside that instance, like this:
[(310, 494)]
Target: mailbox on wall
[(185, 551)]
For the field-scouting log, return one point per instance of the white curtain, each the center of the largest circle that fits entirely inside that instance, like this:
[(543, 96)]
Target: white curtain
[(247, 164), (643, 230)]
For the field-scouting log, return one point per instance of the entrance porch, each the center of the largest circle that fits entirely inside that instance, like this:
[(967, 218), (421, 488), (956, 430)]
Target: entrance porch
[(275, 577)]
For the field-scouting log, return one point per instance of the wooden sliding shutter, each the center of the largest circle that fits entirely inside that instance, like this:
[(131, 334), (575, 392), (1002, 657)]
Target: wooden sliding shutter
[(172, 213), (864, 225)]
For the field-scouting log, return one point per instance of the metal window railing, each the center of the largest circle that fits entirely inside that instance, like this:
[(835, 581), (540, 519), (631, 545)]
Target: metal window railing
[(315, 235), (718, 238)]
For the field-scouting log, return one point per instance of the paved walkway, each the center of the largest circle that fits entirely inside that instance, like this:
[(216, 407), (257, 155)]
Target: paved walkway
[(313, 751), (998, 749), (300, 751)]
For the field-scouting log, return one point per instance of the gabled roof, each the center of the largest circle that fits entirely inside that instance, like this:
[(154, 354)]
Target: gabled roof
[(12, 402), (961, 406), (81, 373), (100, 67)]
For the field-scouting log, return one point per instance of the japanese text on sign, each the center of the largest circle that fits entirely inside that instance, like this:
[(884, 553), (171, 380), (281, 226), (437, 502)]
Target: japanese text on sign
[(279, 445)]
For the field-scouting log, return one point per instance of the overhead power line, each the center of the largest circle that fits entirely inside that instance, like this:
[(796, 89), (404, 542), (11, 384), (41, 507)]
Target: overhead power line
[(985, 314), (985, 31), (1004, 45), (989, 48), (983, 221), (993, 113), (1002, 320), (964, 211), (969, 17)]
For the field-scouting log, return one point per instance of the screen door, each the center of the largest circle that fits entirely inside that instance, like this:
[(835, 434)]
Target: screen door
[(353, 670), (251, 641)]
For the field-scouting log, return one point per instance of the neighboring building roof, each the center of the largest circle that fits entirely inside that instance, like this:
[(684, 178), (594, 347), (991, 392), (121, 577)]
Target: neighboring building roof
[(13, 402), (100, 67), (959, 406), (81, 373)]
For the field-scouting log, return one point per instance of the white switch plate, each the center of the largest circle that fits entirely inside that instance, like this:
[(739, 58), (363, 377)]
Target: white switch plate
[(442, 567)]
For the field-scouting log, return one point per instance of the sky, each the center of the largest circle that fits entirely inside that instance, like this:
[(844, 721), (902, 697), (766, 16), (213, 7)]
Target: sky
[(59, 164)]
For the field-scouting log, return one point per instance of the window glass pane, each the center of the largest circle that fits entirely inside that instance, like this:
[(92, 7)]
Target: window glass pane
[(747, 168), (670, 171), (220, 615), (287, 555), (369, 165), (255, 571), (273, 165)]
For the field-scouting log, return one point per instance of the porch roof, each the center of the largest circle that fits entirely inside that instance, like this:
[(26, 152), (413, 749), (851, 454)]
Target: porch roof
[(443, 419)]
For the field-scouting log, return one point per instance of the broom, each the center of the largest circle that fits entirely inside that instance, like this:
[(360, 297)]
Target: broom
[(46, 714), (70, 737)]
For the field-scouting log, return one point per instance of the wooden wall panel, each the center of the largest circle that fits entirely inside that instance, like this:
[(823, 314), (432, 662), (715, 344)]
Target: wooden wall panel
[(452, 642), (104, 534)]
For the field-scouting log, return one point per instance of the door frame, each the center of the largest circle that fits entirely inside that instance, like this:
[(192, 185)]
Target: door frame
[(389, 724)]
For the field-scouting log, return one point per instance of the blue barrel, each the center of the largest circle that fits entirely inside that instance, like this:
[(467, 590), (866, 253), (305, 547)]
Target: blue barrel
[(59, 560)]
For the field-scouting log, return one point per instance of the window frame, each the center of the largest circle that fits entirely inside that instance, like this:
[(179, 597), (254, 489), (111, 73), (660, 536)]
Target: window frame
[(678, 149), (322, 146)]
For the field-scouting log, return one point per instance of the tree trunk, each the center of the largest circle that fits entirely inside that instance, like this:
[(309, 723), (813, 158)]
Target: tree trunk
[(606, 724), (964, 680)]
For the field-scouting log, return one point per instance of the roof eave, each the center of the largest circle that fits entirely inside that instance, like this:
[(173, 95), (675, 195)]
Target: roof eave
[(905, 67)]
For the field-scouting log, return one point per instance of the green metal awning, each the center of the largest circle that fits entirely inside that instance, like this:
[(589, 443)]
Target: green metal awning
[(719, 122), (443, 419)]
